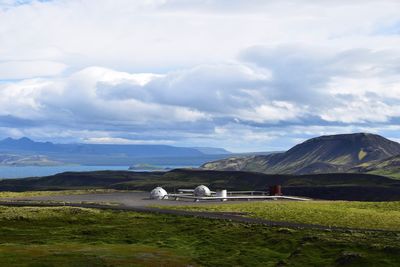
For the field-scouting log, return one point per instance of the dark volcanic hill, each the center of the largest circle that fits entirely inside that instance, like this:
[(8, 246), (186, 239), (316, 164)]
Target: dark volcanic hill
[(333, 153)]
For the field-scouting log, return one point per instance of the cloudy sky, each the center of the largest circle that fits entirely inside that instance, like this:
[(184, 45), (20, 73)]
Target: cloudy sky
[(250, 75)]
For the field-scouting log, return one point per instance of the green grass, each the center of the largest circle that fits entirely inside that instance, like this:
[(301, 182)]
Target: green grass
[(367, 215), (362, 154), (8, 194), (67, 236), (391, 173)]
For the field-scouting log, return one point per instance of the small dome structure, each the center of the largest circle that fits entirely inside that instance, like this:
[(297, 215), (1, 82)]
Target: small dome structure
[(158, 193), (202, 191)]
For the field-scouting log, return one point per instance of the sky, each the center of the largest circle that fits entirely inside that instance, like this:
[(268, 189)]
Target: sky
[(250, 75)]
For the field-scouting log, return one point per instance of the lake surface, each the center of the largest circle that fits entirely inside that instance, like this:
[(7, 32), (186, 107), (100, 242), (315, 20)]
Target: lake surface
[(32, 171), (7, 172)]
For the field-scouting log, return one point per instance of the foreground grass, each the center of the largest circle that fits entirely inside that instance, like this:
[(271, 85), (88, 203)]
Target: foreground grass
[(69, 236), (367, 215), (8, 194)]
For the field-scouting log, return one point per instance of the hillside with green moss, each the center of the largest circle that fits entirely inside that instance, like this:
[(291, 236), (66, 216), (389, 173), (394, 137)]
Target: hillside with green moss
[(325, 154), (388, 167)]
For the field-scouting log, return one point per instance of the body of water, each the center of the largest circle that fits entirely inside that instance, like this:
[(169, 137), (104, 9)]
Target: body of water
[(7, 172)]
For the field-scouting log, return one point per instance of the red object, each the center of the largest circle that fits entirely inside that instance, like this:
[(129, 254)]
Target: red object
[(275, 190)]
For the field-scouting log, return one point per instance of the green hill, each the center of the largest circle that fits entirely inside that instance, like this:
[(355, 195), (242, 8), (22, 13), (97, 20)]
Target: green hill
[(325, 154)]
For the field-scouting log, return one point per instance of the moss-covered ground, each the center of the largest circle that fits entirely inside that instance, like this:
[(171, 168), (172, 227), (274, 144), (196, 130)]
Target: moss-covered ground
[(366, 215), (66, 236), (9, 194), (391, 173)]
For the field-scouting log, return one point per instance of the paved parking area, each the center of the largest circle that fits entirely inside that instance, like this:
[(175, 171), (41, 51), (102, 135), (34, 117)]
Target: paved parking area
[(129, 199)]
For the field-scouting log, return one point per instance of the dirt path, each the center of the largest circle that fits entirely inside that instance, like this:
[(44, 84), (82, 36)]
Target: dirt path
[(207, 215)]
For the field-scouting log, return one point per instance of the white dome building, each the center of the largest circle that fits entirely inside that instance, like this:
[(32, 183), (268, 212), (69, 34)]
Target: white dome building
[(158, 193), (202, 191)]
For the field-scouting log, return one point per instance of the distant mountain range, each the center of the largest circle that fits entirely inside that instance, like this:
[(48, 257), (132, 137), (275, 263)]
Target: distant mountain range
[(326, 167), (212, 150), (103, 154), (359, 152)]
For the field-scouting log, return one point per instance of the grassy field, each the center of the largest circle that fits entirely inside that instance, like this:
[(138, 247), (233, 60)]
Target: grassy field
[(8, 194), (68, 236), (369, 215)]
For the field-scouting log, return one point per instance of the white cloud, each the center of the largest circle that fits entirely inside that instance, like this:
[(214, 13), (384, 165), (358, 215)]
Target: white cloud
[(132, 35), (30, 69), (273, 112), (143, 70), (75, 99), (361, 111)]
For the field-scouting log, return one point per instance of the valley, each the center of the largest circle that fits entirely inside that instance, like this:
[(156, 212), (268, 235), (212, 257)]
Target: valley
[(338, 186), (105, 217)]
